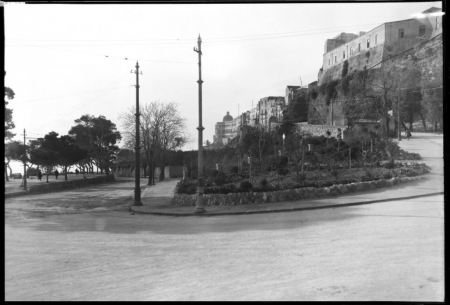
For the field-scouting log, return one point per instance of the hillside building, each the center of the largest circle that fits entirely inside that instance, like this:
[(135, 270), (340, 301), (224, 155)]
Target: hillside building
[(399, 35)]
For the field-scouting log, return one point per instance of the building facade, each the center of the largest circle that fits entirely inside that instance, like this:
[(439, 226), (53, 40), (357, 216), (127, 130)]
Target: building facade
[(402, 35), (229, 128)]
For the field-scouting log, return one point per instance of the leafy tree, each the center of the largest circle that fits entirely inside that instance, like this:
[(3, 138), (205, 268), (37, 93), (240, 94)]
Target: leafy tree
[(44, 153), (69, 153), (9, 124), (14, 150), (98, 136)]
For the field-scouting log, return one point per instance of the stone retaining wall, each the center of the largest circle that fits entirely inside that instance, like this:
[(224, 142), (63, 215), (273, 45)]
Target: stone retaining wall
[(59, 186), (287, 195), (320, 130)]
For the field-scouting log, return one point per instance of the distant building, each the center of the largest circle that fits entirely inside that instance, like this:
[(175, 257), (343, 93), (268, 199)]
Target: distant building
[(229, 127), (401, 35), (270, 109), (289, 96)]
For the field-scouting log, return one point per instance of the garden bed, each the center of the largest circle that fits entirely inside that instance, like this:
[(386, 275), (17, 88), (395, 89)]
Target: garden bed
[(314, 184), (288, 194)]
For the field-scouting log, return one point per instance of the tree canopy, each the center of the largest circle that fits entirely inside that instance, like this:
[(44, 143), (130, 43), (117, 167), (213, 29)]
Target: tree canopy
[(9, 124), (98, 136)]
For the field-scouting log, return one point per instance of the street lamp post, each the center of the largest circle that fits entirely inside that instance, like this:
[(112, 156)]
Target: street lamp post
[(283, 140), (199, 208)]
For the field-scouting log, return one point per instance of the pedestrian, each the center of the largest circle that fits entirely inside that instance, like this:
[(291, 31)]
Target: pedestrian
[(56, 173), (76, 171), (39, 175), (408, 134)]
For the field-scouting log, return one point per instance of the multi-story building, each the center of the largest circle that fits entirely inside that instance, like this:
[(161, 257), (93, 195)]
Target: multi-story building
[(229, 127), (401, 35), (269, 109)]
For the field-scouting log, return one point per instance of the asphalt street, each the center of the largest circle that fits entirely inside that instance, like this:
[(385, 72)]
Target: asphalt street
[(84, 244)]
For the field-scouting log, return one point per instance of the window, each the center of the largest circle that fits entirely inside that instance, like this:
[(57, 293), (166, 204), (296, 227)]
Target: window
[(329, 61), (359, 47), (376, 39), (421, 31), (351, 51), (343, 54), (401, 33), (368, 42), (335, 59)]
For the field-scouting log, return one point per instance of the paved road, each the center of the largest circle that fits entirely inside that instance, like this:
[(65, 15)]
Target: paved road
[(386, 251), (83, 244)]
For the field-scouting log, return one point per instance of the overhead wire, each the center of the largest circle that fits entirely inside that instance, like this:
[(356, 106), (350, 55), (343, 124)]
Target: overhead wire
[(190, 40), (64, 96), (101, 93)]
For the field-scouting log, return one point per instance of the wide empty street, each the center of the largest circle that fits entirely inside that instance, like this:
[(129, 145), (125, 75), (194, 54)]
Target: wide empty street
[(55, 250)]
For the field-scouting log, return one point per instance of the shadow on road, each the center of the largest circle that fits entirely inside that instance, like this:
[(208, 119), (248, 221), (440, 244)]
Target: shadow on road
[(124, 223)]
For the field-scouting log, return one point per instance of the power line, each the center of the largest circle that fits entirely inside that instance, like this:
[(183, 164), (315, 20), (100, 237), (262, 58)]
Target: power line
[(102, 55), (50, 98), (190, 40), (97, 96)]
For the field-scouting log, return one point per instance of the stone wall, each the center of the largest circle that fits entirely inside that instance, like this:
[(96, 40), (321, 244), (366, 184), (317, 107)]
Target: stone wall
[(319, 130), (287, 195), (364, 60), (173, 171), (51, 187), (127, 170)]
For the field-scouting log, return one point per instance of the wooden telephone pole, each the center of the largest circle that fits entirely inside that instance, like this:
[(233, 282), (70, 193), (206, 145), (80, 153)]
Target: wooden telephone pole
[(24, 161), (137, 188)]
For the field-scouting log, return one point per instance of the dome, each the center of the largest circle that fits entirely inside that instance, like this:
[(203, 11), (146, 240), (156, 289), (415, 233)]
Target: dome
[(228, 117)]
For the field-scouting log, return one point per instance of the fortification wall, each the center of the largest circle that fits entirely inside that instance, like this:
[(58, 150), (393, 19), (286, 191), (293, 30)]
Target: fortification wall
[(364, 60)]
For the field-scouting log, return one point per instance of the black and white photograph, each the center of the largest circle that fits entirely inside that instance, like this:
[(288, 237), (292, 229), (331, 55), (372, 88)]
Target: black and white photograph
[(224, 151)]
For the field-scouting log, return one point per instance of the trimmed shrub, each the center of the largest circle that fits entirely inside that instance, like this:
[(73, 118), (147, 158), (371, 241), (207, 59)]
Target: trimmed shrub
[(263, 182), (220, 179), (194, 174), (283, 171), (245, 186)]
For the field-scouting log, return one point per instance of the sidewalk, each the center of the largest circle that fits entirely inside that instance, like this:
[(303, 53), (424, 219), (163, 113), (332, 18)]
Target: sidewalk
[(157, 199)]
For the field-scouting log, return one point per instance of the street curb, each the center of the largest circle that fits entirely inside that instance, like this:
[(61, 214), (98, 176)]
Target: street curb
[(285, 210)]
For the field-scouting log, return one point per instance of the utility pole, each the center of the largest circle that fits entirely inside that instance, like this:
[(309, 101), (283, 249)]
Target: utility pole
[(199, 208), (398, 110), (137, 188), (24, 162)]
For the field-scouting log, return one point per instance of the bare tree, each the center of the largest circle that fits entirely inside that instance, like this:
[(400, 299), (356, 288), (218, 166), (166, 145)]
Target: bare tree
[(162, 129), (374, 92)]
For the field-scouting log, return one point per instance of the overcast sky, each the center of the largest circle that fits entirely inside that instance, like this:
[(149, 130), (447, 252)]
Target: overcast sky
[(64, 61)]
